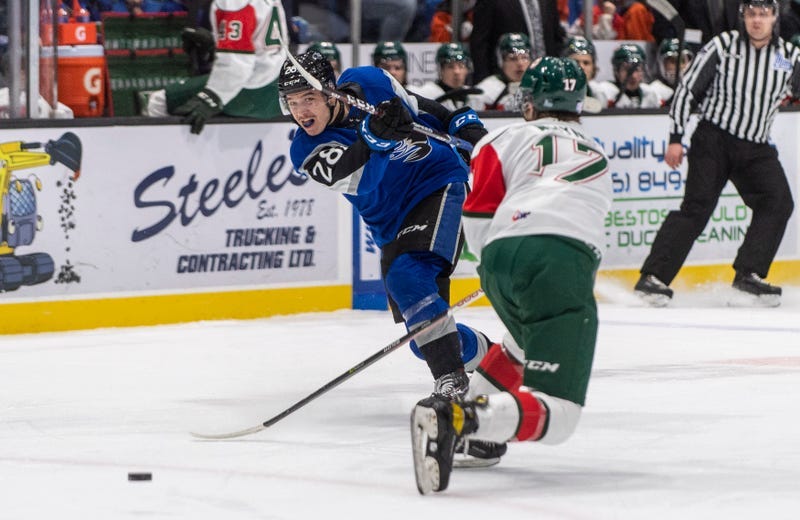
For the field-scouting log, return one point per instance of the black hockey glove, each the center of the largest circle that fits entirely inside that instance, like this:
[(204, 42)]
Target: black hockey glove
[(392, 122), (199, 109), (199, 45)]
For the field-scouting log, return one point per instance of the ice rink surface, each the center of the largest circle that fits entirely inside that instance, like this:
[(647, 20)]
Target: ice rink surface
[(693, 413)]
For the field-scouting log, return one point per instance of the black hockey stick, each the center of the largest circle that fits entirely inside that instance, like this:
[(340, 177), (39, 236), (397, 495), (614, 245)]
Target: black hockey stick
[(365, 106), (668, 11), (394, 345)]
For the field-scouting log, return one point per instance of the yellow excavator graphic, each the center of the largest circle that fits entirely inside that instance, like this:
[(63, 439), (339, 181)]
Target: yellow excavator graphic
[(20, 220)]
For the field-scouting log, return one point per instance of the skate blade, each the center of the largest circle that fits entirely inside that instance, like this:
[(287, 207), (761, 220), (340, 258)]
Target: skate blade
[(424, 427), (467, 461), (653, 300), (743, 299)]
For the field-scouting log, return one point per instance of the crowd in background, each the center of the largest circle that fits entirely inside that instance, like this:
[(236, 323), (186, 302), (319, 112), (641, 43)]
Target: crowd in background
[(498, 39)]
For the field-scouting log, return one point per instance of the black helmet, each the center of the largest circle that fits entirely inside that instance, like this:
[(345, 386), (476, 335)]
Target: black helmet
[(291, 81), (327, 49)]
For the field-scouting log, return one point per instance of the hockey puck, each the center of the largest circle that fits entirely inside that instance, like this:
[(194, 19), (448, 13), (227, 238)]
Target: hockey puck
[(140, 476)]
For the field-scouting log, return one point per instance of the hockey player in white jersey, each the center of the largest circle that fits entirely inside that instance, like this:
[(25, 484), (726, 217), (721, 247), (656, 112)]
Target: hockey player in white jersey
[(243, 78), (535, 218), (498, 91), (629, 88), (451, 89)]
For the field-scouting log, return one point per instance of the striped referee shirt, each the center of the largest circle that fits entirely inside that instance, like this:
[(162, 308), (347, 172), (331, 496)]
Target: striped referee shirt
[(737, 87)]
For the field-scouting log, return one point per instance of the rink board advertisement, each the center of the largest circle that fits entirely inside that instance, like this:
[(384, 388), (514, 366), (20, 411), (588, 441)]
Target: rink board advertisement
[(158, 210)]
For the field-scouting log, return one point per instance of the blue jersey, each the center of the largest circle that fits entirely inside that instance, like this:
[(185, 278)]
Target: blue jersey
[(383, 186)]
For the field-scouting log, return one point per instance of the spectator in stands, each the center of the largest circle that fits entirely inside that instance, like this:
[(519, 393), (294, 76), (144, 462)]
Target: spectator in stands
[(637, 21), (392, 57), (790, 19), (537, 19), (386, 20), (442, 22), (331, 53), (420, 30), (667, 75), (583, 52), (243, 79), (607, 24), (498, 92), (708, 17), (629, 63), (451, 89)]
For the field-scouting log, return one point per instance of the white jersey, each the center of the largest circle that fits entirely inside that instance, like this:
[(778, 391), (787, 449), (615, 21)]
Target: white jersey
[(663, 91), (544, 177), (602, 91), (497, 95), (647, 98), (248, 54), (432, 90)]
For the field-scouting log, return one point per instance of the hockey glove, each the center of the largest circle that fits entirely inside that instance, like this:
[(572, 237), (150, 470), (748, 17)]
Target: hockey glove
[(466, 124), (199, 109), (198, 44), (392, 120)]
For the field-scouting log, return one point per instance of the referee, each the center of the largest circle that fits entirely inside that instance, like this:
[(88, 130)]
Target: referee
[(738, 80)]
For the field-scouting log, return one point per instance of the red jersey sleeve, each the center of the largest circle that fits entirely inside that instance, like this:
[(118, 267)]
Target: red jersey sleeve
[(488, 185), (235, 30)]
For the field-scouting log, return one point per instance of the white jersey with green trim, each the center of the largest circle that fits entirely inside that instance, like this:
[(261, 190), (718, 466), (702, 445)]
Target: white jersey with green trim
[(544, 177), (249, 54)]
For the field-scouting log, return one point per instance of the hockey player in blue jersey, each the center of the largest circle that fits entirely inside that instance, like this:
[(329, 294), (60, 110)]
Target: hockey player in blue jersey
[(407, 188)]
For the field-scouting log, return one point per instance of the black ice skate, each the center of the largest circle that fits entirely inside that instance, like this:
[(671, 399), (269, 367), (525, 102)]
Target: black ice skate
[(477, 453), (756, 290), (653, 291), (437, 423)]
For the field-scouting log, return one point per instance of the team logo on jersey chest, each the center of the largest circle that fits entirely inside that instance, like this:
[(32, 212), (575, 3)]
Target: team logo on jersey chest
[(411, 150)]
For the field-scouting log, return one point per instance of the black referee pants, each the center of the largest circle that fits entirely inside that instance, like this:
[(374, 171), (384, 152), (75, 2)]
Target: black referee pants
[(714, 158)]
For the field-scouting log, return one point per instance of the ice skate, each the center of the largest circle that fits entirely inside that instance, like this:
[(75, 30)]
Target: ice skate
[(653, 291), (436, 425), (477, 453), (752, 290)]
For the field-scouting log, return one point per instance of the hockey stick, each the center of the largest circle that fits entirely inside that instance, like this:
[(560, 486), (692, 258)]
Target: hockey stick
[(394, 345), (668, 11), (365, 106)]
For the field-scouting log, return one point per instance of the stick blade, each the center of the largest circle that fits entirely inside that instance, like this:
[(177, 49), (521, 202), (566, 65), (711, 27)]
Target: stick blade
[(229, 435)]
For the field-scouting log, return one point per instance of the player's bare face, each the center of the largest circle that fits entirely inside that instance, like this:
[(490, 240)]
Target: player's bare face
[(758, 22), (454, 74), (396, 68), (586, 62), (310, 109), (515, 65)]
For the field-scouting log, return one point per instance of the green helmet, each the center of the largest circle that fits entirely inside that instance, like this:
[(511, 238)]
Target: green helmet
[(513, 43), (389, 51), (452, 53), (553, 85), (580, 45), (669, 48), (758, 3), (327, 49), (628, 53)]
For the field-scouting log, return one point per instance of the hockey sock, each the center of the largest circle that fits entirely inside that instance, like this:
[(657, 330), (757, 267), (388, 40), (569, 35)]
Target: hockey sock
[(474, 345), (511, 416), (497, 372)]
